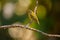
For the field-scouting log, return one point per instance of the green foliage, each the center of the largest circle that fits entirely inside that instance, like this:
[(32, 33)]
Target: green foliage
[(41, 12)]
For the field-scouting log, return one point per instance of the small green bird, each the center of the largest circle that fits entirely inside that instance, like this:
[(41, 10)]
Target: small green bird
[(33, 14), (33, 17)]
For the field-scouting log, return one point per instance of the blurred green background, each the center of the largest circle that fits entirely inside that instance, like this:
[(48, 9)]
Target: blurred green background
[(48, 12)]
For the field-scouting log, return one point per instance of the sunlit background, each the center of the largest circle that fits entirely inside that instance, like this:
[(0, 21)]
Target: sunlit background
[(16, 12)]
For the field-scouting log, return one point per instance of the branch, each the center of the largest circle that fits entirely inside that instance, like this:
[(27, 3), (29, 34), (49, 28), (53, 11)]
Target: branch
[(35, 9), (22, 26)]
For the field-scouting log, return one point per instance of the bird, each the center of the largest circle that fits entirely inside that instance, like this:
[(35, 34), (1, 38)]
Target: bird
[(33, 16)]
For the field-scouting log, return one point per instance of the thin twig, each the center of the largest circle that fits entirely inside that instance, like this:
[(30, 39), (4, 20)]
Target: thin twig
[(22, 26), (35, 9)]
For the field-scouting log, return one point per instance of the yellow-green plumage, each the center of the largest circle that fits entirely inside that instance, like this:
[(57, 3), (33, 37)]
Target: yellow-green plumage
[(33, 16)]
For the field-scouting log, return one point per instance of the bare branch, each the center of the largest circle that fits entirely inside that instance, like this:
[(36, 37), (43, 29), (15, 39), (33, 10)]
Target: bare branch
[(35, 9), (22, 26)]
